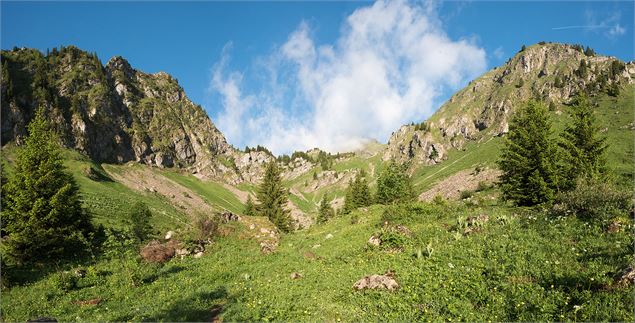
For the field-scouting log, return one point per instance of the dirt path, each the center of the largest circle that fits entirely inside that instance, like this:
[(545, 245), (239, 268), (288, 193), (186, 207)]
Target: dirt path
[(145, 180), (451, 187)]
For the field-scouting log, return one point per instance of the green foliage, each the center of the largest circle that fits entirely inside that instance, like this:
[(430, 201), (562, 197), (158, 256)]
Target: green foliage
[(423, 126), (64, 281), (325, 211), (522, 49), (558, 82), (594, 200), (357, 193), (250, 207), (582, 70), (529, 157), (325, 160), (582, 146), (272, 198), (393, 184), (42, 211), (589, 51), (139, 217), (521, 83)]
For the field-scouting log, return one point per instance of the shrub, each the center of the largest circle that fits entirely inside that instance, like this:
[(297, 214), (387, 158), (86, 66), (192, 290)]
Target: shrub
[(466, 194), (64, 281), (393, 184), (391, 239), (593, 200), (139, 217), (204, 227)]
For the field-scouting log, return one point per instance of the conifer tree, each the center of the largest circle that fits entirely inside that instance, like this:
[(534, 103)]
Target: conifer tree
[(326, 212), (42, 212), (250, 208), (582, 146), (357, 194), (139, 217), (529, 157), (393, 184), (273, 197)]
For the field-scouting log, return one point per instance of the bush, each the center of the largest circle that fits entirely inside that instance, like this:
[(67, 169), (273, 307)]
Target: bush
[(204, 227), (593, 200), (393, 184), (391, 239), (466, 194), (64, 281), (139, 218)]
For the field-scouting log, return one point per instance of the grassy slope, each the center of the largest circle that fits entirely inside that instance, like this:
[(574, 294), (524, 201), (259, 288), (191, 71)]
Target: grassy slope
[(524, 269)]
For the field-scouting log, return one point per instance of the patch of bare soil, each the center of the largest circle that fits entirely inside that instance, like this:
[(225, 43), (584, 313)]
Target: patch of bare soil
[(145, 180), (299, 217), (451, 187), (241, 195)]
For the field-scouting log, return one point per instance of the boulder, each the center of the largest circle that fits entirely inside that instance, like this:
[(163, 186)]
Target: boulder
[(295, 275), (374, 241), (386, 281), (627, 277), (157, 252)]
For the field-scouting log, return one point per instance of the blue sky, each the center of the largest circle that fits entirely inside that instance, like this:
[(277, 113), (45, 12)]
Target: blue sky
[(294, 75)]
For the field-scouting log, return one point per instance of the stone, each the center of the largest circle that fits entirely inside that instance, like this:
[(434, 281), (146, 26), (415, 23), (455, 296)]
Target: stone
[(374, 241), (198, 254), (295, 275), (252, 226), (316, 246), (169, 235), (627, 277), (386, 281), (329, 236)]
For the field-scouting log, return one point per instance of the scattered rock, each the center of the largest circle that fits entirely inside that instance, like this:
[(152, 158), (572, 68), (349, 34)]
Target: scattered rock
[(470, 230), (295, 275), (476, 220), (157, 252), (252, 226), (264, 230), (374, 241), (316, 246), (81, 273), (169, 235), (268, 247), (614, 227), (182, 252), (329, 236), (94, 301), (229, 217), (385, 281), (198, 254), (627, 277)]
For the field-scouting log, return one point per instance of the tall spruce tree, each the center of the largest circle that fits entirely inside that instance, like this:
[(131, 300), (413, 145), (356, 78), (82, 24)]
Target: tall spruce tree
[(582, 145), (358, 193), (42, 212), (250, 208), (326, 212), (273, 197), (393, 184), (529, 157)]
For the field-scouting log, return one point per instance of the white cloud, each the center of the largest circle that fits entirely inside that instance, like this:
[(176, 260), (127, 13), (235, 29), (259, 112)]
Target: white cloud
[(389, 66), (616, 30)]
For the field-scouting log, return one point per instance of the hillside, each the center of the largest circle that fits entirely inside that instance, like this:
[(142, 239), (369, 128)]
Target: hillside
[(456, 252)]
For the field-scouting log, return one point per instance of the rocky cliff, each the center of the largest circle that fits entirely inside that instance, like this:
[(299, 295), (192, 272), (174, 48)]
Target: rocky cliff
[(546, 71), (111, 113)]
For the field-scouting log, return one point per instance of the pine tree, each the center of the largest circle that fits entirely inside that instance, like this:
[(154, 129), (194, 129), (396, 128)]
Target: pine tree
[(393, 184), (273, 197), (583, 147), (42, 211), (250, 208), (326, 212), (529, 157), (357, 194)]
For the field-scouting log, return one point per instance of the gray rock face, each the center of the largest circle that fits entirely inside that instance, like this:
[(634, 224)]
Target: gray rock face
[(111, 113)]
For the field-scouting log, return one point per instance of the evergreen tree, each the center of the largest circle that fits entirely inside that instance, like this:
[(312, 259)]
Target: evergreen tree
[(326, 212), (358, 193), (139, 217), (250, 208), (583, 147), (529, 157), (393, 184), (273, 197), (42, 211)]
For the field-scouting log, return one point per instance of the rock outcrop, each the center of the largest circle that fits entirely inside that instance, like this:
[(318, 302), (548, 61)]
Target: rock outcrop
[(546, 71), (111, 113)]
